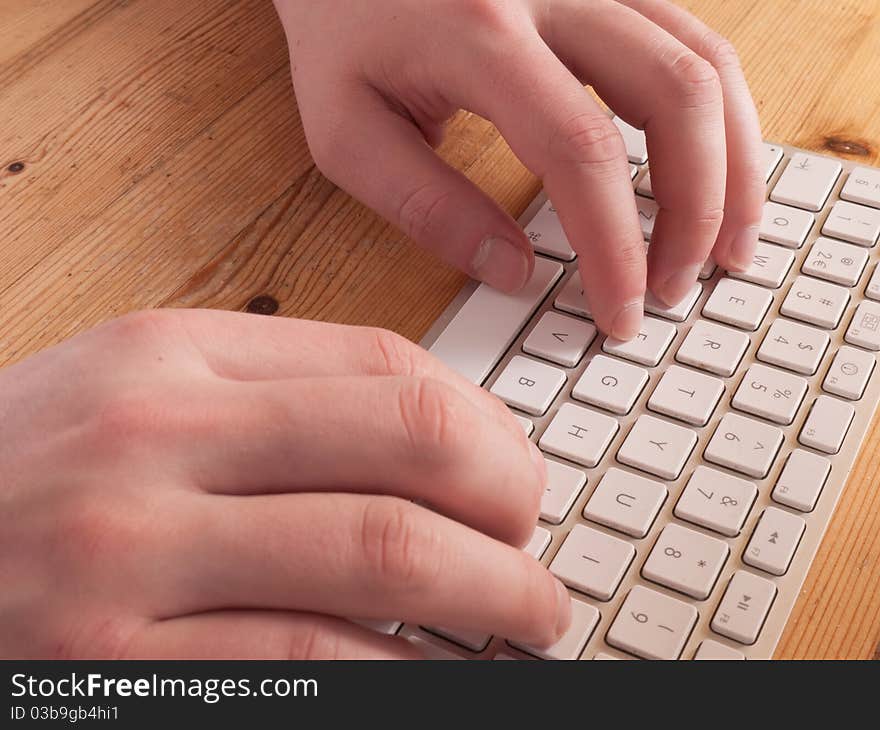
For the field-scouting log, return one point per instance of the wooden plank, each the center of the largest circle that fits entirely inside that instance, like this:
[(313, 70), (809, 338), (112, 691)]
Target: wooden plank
[(39, 26), (166, 70)]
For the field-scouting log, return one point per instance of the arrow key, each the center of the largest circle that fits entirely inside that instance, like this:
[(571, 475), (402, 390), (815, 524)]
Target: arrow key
[(774, 541), (560, 339)]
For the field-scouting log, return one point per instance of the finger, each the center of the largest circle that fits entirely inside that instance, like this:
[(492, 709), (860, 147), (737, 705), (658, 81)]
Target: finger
[(746, 189), (384, 160), (239, 346), (563, 136), (417, 438), (263, 635), (675, 96), (357, 555)]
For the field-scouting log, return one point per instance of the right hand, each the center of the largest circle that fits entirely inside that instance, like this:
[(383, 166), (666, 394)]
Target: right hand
[(209, 484), (375, 81)]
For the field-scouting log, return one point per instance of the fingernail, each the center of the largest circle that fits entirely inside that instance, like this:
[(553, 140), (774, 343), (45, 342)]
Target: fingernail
[(540, 464), (742, 248), (563, 615), (628, 321), (680, 283), (501, 263)]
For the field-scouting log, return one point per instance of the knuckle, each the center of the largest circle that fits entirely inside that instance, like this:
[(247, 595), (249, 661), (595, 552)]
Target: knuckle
[(431, 417), (719, 51), (401, 551), (697, 82), (588, 139), (396, 354), (140, 327), (88, 532), (491, 15), (419, 213), (125, 422)]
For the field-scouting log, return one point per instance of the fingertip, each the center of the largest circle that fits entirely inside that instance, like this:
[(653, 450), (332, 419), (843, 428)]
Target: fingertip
[(674, 289), (742, 249), (628, 321), (502, 263), (563, 610)]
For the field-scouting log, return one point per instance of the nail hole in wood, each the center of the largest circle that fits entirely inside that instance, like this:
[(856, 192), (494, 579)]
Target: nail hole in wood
[(843, 146), (263, 304)]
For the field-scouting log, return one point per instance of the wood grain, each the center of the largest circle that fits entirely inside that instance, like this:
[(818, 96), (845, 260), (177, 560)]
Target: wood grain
[(151, 155)]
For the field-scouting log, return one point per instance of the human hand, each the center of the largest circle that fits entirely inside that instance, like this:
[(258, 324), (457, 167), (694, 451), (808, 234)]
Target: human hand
[(376, 80), (210, 484)]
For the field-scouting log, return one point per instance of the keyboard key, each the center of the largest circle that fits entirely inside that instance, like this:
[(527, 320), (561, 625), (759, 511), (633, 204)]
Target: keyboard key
[(713, 348), (633, 171), (815, 302), (712, 650), (794, 346), (382, 626), (835, 261), (849, 373), (546, 234), (584, 618), (774, 541), (852, 222), (486, 325), (626, 502), (864, 330), (560, 339), (770, 393), (744, 608), (592, 562), (644, 185), (801, 481), (528, 385), (469, 639), (652, 625), (686, 395), (769, 267), (610, 384), (772, 156), (602, 656), (744, 445), (863, 186), (678, 313), (648, 346), (786, 226), (872, 291), (538, 543), (571, 299), (827, 424), (806, 182), (579, 434), (657, 447), (647, 210), (717, 501), (430, 650), (564, 484), (686, 561), (634, 140), (738, 303), (526, 424)]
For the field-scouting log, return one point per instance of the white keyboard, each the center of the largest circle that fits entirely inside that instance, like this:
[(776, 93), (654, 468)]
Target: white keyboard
[(694, 469)]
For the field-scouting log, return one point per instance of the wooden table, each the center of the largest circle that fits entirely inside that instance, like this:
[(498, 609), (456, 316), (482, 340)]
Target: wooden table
[(151, 155)]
